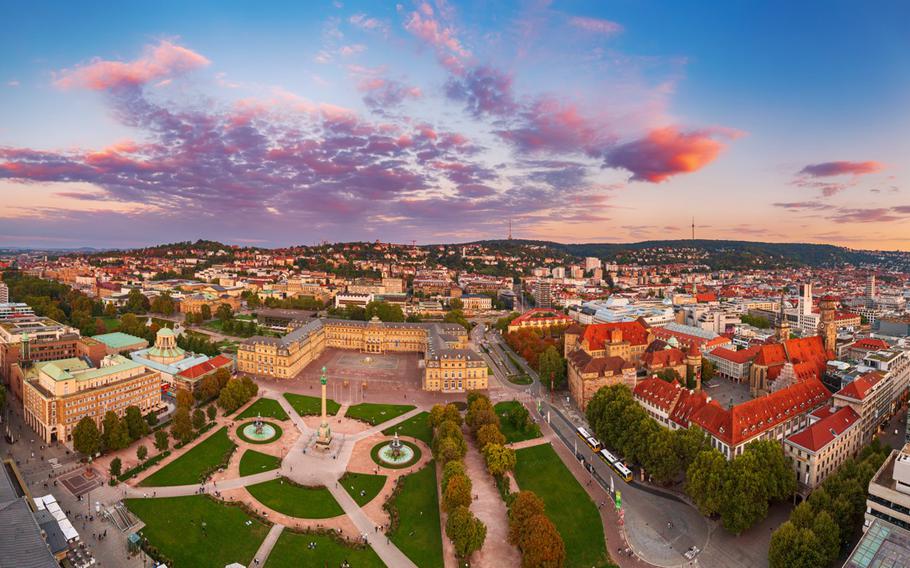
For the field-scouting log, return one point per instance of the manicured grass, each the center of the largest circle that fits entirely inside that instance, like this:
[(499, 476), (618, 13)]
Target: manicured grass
[(374, 453), (174, 526), (354, 483), (265, 407), (416, 426), (511, 433), (256, 462), (291, 551), (296, 500), (187, 469), (377, 413), (311, 405), (540, 470), (245, 438), (111, 324), (520, 379), (418, 534)]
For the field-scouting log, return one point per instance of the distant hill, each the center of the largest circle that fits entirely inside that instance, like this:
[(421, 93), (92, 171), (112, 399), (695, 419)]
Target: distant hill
[(720, 254)]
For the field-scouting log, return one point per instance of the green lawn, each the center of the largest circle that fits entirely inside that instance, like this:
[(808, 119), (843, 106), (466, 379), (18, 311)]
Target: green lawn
[(186, 469), (256, 462), (111, 324), (174, 526), (418, 534), (416, 426), (377, 413), (310, 405), (291, 551), (265, 407), (540, 470), (296, 500), (508, 430), (354, 483)]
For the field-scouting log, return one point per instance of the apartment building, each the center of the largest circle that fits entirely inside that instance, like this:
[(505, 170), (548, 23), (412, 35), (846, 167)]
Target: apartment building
[(889, 491), (832, 437)]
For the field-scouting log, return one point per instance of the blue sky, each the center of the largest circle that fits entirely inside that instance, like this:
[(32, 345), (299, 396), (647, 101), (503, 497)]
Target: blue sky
[(282, 123)]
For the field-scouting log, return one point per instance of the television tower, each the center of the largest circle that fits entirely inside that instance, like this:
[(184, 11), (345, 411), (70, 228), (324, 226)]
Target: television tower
[(693, 228), (510, 228)]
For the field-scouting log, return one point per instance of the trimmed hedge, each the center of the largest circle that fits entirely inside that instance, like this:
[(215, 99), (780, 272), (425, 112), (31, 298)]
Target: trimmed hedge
[(132, 472)]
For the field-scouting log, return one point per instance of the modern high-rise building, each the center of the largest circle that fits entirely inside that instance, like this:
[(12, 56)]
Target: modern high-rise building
[(4, 293), (870, 287), (591, 263), (543, 293)]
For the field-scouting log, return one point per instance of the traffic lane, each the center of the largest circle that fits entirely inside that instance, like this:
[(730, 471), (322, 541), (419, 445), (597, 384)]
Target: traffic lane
[(647, 511)]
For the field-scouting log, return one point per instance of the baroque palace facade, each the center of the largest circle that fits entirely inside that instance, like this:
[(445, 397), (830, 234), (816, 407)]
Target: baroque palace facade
[(449, 366)]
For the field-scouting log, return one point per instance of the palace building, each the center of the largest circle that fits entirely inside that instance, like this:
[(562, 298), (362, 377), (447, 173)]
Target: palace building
[(449, 366)]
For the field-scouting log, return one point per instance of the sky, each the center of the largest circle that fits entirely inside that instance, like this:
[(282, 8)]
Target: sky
[(283, 123)]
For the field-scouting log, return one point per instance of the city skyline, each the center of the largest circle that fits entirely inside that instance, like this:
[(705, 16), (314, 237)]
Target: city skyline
[(439, 122)]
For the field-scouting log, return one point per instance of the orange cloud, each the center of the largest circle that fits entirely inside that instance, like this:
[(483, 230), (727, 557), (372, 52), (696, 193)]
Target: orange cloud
[(665, 152), (158, 62)]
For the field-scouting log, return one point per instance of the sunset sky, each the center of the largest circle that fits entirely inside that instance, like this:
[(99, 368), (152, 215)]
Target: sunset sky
[(267, 123)]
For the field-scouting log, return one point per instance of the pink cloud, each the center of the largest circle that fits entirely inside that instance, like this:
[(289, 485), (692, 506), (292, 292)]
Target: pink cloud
[(828, 169), (440, 37), (596, 25), (158, 62), (666, 152), (549, 124)]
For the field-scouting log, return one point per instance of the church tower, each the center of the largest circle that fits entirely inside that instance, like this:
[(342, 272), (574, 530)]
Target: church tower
[(783, 324), (693, 365), (827, 327)]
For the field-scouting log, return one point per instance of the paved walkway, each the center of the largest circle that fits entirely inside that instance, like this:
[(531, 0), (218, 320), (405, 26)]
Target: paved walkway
[(267, 545), (489, 507), (388, 552), (388, 424), (528, 443)]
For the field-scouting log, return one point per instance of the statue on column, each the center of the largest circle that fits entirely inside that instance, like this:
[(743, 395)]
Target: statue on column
[(324, 435)]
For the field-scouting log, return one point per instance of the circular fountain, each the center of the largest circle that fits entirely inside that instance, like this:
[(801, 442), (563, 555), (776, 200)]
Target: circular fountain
[(258, 431), (395, 453)]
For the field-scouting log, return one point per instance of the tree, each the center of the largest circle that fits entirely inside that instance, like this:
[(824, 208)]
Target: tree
[(689, 442), (115, 467), (708, 369), (828, 534), (489, 434), (151, 419), (444, 413), (450, 449), (136, 425), (457, 493), (778, 476), (211, 412), (205, 312), (224, 313), (457, 316), (552, 368), (2, 396), (114, 435), (198, 419), (163, 304), (142, 452), (745, 493), (161, 440), (185, 398), (525, 506), (87, 437), (792, 547), (456, 304), (466, 531), (499, 459), (451, 469), (662, 460), (384, 311), (541, 545), (705, 481), (222, 376), (110, 310), (480, 413), (136, 302), (182, 427)]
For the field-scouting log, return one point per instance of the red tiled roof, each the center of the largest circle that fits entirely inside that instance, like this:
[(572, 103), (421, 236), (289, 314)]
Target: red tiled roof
[(771, 354), (860, 386), (809, 350), (687, 404), (598, 334), (657, 392), (205, 367), (749, 419), (869, 344), (741, 356), (706, 297), (664, 358), (826, 430), (542, 314), (585, 363)]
